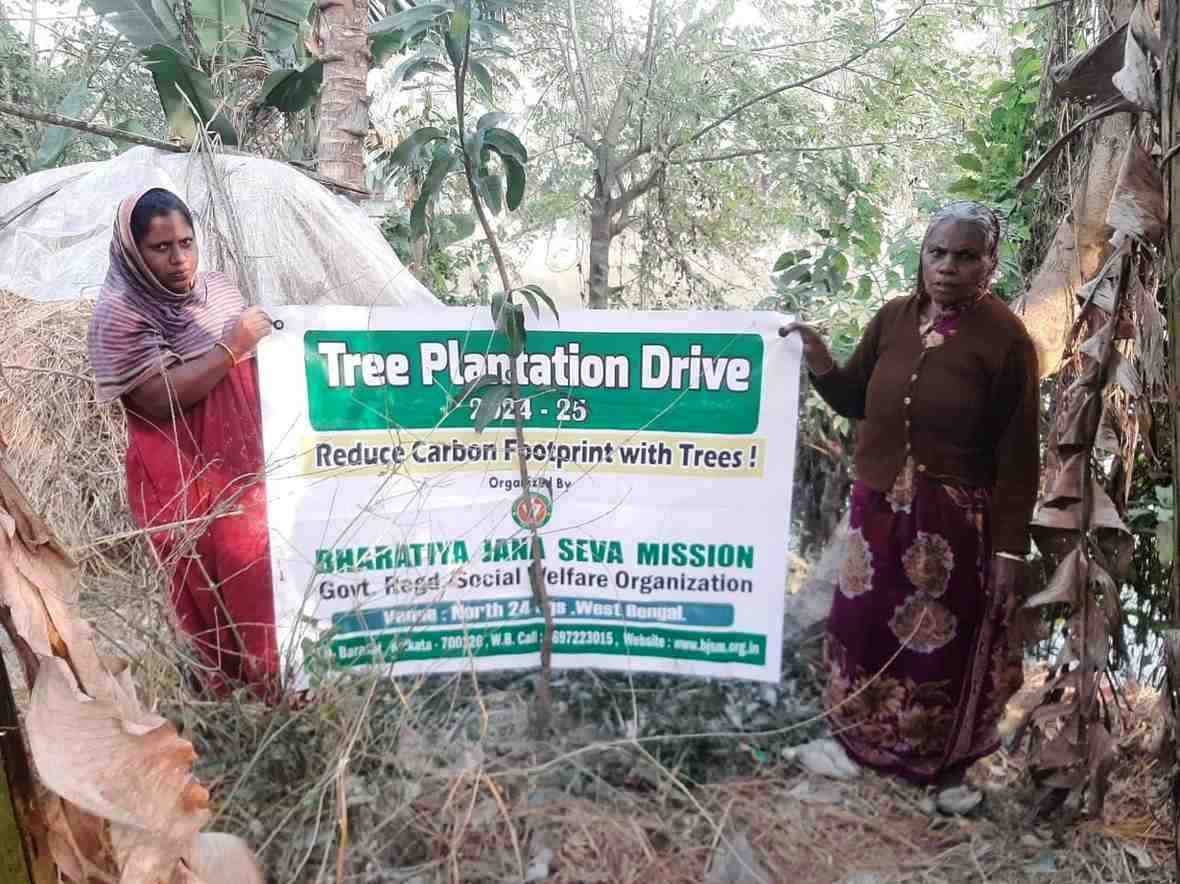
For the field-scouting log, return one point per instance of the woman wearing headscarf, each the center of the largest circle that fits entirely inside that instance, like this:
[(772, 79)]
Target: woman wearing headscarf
[(176, 346), (944, 384)]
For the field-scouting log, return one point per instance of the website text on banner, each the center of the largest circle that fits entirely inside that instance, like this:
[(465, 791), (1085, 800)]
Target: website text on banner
[(660, 448)]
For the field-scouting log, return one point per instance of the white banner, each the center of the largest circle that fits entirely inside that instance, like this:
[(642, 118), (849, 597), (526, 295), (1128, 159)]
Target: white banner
[(660, 450)]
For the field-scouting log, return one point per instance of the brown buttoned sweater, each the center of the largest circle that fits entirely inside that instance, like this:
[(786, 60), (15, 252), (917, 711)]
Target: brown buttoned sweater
[(967, 410)]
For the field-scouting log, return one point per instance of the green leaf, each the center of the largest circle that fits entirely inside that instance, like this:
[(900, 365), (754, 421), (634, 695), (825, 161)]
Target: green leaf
[(539, 292), (444, 162), (277, 22), (491, 188), (482, 76), (460, 22), (977, 141), (139, 22), (133, 126), (532, 300), (424, 14), (222, 27), (514, 329), (785, 260), (840, 264), (473, 387), (491, 120), (486, 30), (183, 89), (516, 181), (505, 143), (967, 185), (407, 151), (55, 139), (513, 156), (489, 405), (969, 161), (1163, 542), (499, 301), (446, 230), (292, 91)]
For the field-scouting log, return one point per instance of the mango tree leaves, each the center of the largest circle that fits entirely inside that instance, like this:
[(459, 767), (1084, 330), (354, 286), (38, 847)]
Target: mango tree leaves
[(444, 162), (409, 150), (187, 97)]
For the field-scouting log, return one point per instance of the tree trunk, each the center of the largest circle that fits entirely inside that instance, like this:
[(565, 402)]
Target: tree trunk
[(24, 852), (1170, 143), (344, 100), (600, 240)]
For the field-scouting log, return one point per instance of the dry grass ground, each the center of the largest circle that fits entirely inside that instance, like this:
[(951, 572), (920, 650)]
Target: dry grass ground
[(432, 780)]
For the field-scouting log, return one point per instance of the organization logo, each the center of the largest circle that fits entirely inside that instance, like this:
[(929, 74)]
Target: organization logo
[(532, 510)]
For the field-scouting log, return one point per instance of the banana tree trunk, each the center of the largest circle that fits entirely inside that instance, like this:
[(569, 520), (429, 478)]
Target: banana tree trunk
[(344, 100)]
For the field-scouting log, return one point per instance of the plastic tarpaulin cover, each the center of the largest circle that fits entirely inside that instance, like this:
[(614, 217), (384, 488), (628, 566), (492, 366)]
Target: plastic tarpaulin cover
[(282, 236)]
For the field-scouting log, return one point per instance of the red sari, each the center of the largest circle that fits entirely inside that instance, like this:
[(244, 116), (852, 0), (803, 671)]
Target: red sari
[(204, 469)]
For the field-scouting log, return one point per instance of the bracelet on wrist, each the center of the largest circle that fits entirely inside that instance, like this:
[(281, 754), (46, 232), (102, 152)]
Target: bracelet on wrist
[(233, 359)]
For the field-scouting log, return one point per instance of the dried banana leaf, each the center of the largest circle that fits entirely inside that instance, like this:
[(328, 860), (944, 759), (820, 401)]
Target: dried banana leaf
[(1065, 585), (1067, 484), (1135, 80), (1144, 31), (1137, 206), (1087, 78), (1069, 518)]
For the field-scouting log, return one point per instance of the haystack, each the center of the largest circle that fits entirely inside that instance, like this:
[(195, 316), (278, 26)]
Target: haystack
[(67, 453)]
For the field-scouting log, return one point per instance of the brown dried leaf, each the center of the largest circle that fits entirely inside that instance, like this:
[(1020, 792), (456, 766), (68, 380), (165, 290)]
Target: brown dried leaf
[(136, 773), (1053, 543), (1069, 518), (1065, 584), (1143, 30), (1097, 643), (38, 585), (1066, 487), (79, 843), (1087, 78), (219, 858), (1077, 422), (1107, 438), (1137, 207), (1136, 80)]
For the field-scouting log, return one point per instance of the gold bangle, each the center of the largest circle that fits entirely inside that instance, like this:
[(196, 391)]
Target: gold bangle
[(233, 360)]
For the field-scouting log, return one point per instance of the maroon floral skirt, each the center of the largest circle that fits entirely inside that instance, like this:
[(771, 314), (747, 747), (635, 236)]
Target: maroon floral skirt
[(918, 652)]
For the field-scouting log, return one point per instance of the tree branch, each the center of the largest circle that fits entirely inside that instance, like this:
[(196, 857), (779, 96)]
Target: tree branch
[(52, 119), (584, 74), (745, 105), (818, 148), (632, 193)]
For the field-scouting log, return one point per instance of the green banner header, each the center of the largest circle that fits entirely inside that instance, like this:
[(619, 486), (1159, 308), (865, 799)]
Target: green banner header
[(673, 382)]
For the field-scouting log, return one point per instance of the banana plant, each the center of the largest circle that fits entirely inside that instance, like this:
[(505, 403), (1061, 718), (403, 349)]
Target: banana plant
[(223, 32)]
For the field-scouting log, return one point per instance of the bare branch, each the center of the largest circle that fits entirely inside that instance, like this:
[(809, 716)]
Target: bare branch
[(816, 148), (51, 119), (585, 75), (745, 105)]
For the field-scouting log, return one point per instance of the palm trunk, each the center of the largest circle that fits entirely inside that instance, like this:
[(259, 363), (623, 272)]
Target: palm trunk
[(344, 100)]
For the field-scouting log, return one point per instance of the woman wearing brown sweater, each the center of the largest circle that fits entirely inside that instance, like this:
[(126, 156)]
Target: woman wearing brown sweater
[(944, 384)]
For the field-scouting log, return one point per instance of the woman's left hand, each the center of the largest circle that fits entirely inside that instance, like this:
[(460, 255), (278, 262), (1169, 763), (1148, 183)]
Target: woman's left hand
[(1008, 581)]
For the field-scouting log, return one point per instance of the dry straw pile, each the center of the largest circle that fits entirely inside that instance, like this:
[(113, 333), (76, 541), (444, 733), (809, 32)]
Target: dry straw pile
[(67, 455), (436, 780)]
